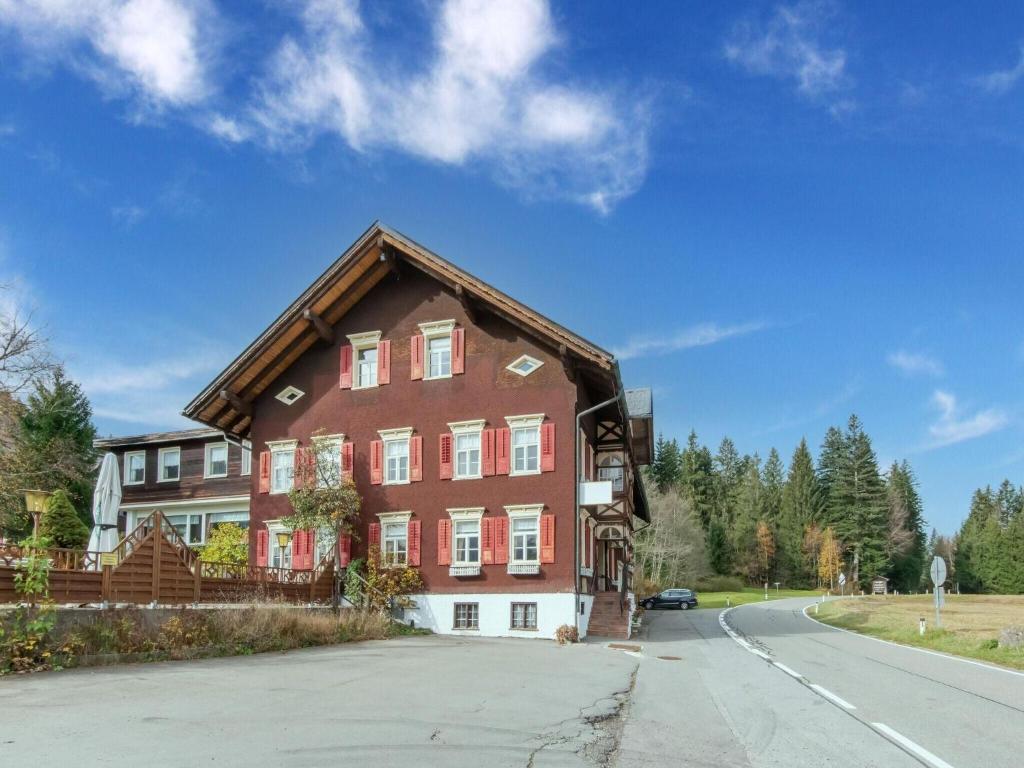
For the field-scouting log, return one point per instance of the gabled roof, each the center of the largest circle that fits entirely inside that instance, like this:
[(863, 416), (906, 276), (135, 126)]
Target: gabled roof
[(154, 438), (224, 403)]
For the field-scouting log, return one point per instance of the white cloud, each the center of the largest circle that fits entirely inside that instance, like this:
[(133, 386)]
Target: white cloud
[(700, 335), (1003, 80), (128, 215), (789, 46), (479, 98), (158, 50), (910, 363), (953, 426)]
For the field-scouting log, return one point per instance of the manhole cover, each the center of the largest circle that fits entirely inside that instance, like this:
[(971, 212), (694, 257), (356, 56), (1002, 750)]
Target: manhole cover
[(670, 658), (624, 647)]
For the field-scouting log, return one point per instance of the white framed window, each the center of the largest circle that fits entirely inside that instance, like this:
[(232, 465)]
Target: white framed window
[(396, 455), (524, 616), (524, 365), (168, 465), (282, 465), (289, 395), (364, 359), (467, 616), (216, 464), (614, 472), (135, 468), (327, 449), (467, 443), (437, 346), (465, 541), (246, 457), (278, 557), (524, 534), (394, 537), (525, 443), (189, 527)]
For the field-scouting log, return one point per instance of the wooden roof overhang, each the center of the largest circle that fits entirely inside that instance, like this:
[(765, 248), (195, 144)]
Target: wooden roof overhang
[(226, 403)]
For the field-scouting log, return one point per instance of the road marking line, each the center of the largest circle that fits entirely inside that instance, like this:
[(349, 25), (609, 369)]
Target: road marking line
[(788, 671), (634, 654), (762, 654), (941, 655), (832, 697), (906, 743)]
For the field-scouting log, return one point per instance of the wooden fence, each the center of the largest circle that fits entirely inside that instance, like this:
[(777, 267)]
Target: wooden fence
[(154, 564)]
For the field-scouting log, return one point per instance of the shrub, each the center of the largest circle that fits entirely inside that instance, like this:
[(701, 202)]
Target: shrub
[(228, 543), (567, 633), (720, 584), (61, 524)]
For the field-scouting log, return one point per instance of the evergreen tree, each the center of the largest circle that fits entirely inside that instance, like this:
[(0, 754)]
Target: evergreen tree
[(53, 450), (857, 508), (698, 479), (972, 544), (773, 480), (719, 556), (749, 505), (906, 545), (666, 469), (728, 469), (800, 507), (61, 524), (834, 452), (1010, 501)]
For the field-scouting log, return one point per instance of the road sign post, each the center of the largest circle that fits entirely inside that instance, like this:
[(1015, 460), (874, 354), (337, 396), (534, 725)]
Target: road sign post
[(938, 574)]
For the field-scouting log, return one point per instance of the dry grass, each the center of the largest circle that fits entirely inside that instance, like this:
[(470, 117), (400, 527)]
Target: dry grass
[(970, 623), (281, 627)]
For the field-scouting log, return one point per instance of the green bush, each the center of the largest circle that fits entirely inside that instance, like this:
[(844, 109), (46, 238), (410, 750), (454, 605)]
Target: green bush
[(720, 584), (228, 543), (61, 523)]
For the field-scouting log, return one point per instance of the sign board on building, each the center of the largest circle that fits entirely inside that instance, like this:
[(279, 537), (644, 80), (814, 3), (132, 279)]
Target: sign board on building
[(597, 492), (108, 558)]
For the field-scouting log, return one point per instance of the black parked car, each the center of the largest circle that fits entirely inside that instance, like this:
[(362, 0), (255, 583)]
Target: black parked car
[(682, 599)]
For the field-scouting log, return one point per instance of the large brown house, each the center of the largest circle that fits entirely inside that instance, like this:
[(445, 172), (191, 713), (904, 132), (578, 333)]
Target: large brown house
[(455, 409)]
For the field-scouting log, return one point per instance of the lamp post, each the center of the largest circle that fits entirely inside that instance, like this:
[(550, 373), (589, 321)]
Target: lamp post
[(283, 537), (35, 502)]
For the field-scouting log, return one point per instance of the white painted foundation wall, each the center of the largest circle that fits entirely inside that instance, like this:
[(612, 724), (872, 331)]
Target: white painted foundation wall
[(436, 612)]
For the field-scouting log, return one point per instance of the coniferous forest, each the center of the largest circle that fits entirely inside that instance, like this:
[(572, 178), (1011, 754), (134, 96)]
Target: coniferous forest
[(803, 523), (800, 524)]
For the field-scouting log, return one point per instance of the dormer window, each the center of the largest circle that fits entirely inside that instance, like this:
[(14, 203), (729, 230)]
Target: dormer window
[(135, 468)]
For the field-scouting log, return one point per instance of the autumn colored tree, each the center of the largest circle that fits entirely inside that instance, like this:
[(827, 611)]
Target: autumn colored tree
[(765, 549), (830, 561)]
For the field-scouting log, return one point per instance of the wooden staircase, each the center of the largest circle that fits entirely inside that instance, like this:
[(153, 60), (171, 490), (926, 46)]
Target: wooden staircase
[(606, 617)]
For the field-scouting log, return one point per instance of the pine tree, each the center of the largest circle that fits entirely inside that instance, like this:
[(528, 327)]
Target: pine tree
[(719, 556), (1010, 501), (800, 508), (666, 469), (61, 524), (834, 452), (971, 542), (698, 479), (906, 547), (53, 450), (749, 505), (773, 480), (728, 471)]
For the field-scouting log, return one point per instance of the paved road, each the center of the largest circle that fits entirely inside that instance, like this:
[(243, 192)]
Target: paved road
[(961, 714)]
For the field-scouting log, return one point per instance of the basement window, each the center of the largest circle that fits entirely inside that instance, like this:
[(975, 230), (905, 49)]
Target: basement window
[(289, 395)]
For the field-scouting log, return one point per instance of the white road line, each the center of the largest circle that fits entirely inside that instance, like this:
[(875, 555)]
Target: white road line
[(941, 655), (907, 744), (788, 671), (634, 654), (832, 697)]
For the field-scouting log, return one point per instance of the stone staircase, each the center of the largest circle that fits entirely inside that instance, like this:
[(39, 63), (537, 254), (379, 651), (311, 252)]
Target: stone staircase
[(606, 620)]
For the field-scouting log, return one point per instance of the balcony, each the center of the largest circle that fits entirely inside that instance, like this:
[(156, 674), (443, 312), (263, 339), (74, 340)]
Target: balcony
[(464, 570), (523, 569)]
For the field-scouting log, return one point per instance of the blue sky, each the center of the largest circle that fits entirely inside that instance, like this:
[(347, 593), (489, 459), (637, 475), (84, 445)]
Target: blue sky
[(775, 213)]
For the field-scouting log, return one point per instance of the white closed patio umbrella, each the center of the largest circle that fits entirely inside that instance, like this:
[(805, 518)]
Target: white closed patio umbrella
[(106, 500)]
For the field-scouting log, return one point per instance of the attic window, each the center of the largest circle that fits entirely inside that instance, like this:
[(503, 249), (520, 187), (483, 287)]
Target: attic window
[(289, 395), (524, 365)]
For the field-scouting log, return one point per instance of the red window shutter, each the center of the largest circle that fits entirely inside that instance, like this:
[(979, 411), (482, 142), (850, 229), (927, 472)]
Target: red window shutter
[(346, 367), (547, 447), (503, 451), (414, 534), (344, 550), (377, 462), (416, 356), (458, 350), (444, 542), (300, 551), (373, 540), (347, 459), (262, 545), (310, 550), (415, 458), (487, 452), (445, 452), (384, 362), (547, 538), (487, 541), (501, 540), (264, 471)]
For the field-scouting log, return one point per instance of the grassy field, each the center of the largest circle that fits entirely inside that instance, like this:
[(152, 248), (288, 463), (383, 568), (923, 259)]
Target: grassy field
[(970, 623), (748, 595)]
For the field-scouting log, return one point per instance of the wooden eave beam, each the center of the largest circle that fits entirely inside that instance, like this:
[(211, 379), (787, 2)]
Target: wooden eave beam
[(239, 405), (567, 363), (467, 303), (323, 330)]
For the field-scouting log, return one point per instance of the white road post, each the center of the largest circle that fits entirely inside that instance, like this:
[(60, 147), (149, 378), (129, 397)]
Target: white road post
[(920, 626)]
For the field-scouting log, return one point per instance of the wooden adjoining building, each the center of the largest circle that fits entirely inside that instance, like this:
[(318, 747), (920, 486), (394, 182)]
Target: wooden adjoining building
[(453, 408)]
